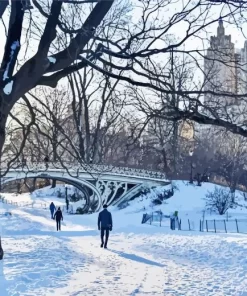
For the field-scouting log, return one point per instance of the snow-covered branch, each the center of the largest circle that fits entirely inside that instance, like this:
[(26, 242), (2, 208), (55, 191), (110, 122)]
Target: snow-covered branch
[(12, 46)]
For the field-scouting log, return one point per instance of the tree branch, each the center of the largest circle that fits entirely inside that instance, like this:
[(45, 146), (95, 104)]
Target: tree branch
[(70, 54), (3, 6), (61, 25), (12, 46), (177, 115), (50, 29), (53, 79)]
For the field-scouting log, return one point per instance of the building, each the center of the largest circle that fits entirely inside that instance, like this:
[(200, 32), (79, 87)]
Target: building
[(243, 67), (186, 130), (221, 73)]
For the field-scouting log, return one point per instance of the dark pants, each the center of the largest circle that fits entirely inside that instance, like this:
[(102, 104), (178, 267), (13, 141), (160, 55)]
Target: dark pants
[(58, 224), (52, 214), (172, 223), (104, 232)]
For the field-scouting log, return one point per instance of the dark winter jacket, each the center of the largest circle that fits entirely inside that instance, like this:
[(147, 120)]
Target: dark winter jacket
[(58, 215), (52, 207), (105, 219)]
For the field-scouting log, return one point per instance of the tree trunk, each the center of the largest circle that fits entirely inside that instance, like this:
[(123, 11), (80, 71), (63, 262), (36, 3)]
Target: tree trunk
[(3, 119)]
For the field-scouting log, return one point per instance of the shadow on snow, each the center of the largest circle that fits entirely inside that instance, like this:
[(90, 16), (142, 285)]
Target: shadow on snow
[(136, 258)]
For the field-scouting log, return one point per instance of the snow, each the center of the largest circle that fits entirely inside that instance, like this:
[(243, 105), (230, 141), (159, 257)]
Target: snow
[(13, 48), (52, 60), (189, 201), (8, 88), (5, 74), (41, 198), (140, 259), (48, 191)]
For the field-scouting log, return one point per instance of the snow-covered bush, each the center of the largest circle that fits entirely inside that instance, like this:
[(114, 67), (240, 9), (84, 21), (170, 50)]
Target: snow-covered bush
[(144, 191), (157, 201), (59, 193), (244, 195), (123, 205), (219, 200), (75, 198), (80, 211)]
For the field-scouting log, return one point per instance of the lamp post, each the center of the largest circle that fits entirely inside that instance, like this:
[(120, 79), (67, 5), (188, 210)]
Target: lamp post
[(66, 198), (191, 166)]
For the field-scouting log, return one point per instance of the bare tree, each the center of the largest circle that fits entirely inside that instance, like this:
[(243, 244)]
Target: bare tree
[(18, 80), (219, 200), (133, 49), (96, 108)]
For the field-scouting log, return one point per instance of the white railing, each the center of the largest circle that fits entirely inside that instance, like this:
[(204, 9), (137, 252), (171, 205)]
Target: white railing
[(33, 205), (87, 168), (23, 204)]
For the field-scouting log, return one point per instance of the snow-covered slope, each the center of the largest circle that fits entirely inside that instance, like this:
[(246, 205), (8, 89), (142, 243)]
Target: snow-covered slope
[(140, 260), (188, 200)]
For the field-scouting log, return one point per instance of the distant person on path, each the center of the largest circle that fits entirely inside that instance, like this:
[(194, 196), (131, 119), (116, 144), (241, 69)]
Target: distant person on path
[(52, 209), (105, 225), (58, 216), (174, 220)]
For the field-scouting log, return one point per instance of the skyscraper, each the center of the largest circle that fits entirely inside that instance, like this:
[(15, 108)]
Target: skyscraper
[(243, 72), (220, 67)]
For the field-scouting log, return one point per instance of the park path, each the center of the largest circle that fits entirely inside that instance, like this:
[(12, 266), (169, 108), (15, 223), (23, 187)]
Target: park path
[(40, 261)]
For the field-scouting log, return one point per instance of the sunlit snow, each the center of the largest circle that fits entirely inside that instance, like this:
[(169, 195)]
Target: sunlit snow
[(8, 88), (52, 60), (13, 48), (140, 260)]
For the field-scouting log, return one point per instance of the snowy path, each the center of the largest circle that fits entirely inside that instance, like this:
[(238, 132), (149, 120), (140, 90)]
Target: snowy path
[(71, 263)]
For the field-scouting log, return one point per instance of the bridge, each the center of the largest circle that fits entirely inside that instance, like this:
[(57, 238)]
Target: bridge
[(99, 183)]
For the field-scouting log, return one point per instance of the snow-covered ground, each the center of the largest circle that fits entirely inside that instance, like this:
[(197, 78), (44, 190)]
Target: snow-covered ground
[(189, 201), (140, 260), (41, 198)]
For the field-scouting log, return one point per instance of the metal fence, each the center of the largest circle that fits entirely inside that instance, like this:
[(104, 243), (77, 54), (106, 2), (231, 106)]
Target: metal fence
[(227, 226), (217, 226), (161, 220)]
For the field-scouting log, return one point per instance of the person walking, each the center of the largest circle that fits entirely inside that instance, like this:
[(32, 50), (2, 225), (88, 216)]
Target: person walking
[(58, 216), (52, 209), (104, 225)]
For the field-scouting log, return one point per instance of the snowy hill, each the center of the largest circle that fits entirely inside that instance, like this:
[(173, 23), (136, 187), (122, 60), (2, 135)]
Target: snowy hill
[(140, 260), (188, 200)]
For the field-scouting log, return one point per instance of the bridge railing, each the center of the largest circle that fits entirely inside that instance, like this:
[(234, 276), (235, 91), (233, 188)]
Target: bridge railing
[(88, 168)]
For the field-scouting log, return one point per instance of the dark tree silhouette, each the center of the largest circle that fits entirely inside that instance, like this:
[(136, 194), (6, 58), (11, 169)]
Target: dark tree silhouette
[(67, 43)]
